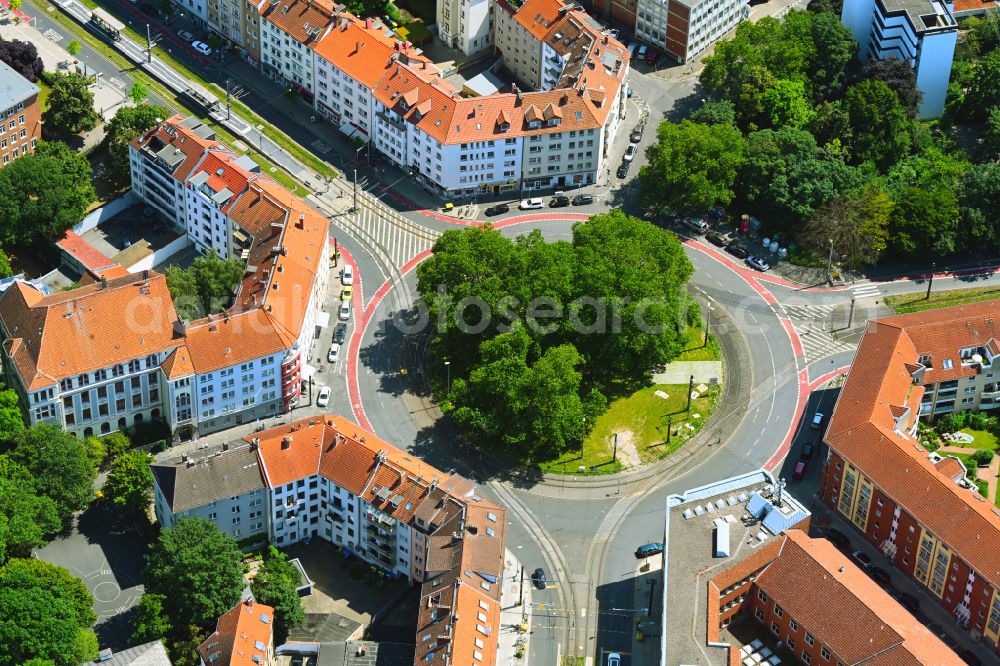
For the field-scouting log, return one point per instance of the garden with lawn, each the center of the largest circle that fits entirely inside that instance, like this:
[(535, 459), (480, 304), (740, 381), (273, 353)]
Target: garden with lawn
[(972, 437)]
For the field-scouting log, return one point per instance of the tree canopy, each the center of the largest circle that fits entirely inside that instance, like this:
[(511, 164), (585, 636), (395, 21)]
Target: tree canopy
[(28, 516), (11, 421), (858, 227), (127, 123), (22, 57), (275, 585), (984, 91), (979, 205), (692, 166), (198, 570), (205, 287), (60, 465), (46, 193), (924, 222), (900, 78), (71, 104), (149, 620), (879, 124), (130, 481)]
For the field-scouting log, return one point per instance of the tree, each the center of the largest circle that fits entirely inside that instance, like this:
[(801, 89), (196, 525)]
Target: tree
[(150, 622), (205, 287), (991, 135), (719, 112), (984, 89), (836, 55), (983, 457), (197, 568), (786, 103), (928, 169), (979, 203), (127, 123), (96, 450), (924, 222), (879, 124), (73, 47), (139, 91), (15, 4), (43, 615), (981, 34), (786, 176), (116, 444), (901, 79), (858, 227), (28, 516), (692, 166), (130, 481), (44, 193), (834, 7), (275, 585), (11, 419), (59, 462), (71, 104), (22, 57), (6, 270)]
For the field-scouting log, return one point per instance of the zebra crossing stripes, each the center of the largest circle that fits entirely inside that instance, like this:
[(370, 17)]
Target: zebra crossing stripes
[(865, 290), (809, 312), (400, 242), (812, 323)]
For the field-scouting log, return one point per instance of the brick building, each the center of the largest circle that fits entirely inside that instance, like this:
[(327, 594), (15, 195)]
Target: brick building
[(21, 115), (912, 504)]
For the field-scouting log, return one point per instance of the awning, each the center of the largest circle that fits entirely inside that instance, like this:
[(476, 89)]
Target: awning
[(323, 319), (348, 129)]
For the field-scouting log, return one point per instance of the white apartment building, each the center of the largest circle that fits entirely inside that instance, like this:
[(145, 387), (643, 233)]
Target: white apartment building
[(922, 33), (465, 24), (685, 28), (288, 29)]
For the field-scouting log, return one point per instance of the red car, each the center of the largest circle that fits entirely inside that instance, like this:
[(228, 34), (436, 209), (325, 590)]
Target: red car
[(800, 470), (651, 56)]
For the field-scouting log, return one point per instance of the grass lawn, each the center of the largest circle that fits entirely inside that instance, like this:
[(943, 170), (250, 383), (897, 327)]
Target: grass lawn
[(644, 414), (696, 350), (980, 439), (940, 299), (414, 31), (43, 95), (425, 9)]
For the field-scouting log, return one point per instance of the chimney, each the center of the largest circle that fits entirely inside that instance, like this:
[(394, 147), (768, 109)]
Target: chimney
[(104, 282), (286, 442), (302, 221), (225, 446), (145, 274)]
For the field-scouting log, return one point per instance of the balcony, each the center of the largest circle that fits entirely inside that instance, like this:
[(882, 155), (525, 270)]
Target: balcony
[(399, 126)]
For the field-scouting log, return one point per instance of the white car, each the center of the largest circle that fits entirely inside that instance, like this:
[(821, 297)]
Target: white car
[(185, 35), (642, 51), (347, 275), (324, 397), (345, 311), (629, 153), (531, 204), (614, 659), (202, 48), (334, 353)]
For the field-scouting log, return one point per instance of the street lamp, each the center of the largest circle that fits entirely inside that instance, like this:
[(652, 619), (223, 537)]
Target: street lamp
[(708, 321), (829, 261), (930, 283), (447, 365)]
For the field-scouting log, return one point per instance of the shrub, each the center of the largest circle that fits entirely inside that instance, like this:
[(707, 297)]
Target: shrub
[(950, 422), (983, 487), (977, 421), (983, 457)]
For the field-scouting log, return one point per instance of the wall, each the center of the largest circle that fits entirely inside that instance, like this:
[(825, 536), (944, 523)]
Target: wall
[(107, 211), (159, 256), (857, 15), (933, 72)]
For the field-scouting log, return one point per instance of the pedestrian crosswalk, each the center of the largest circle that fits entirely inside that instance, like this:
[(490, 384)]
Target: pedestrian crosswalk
[(813, 324), (399, 238), (866, 290)]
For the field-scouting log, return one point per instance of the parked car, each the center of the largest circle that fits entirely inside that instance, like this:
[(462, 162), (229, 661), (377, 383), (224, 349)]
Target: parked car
[(838, 539), (695, 224), (499, 209), (347, 275), (651, 56), (202, 48), (623, 169), (817, 420), (715, 238), (538, 578), (334, 353), (757, 262), (345, 311), (629, 153), (800, 470), (737, 251), (807, 450), (614, 659), (970, 658), (324, 397), (648, 550), (631, 49), (880, 576), (909, 602), (185, 35), (346, 293), (636, 135), (583, 199), (642, 51), (559, 201), (531, 204), (862, 559), (340, 333)]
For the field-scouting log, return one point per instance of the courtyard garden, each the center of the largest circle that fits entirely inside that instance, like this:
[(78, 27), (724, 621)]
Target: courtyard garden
[(972, 437)]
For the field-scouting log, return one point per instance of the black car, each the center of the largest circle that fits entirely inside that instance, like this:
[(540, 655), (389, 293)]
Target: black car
[(636, 135), (880, 576), (623, 169), (499, 209), (909, 602), (559, 201), (715, 238), (737, 251), (538, 578), (340, 333), (838, 539), (649, 550), (807, 450), (583, 199)]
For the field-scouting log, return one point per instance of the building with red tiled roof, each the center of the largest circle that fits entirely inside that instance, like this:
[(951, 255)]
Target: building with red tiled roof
[(328, 478), (918, 509), (243, 636), (965, 8)]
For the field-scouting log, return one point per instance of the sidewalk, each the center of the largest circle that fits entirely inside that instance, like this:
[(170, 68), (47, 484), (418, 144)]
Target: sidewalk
[(648, 595), (515, 599)]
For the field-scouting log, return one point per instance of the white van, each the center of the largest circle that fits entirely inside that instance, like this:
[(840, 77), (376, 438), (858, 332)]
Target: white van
[(696, 224)]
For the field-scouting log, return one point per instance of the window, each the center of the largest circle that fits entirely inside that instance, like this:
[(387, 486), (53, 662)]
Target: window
[(778, 611), (791, 643), (809, 639), (793, 625), (775, 629), (806, 657), (823, 652)]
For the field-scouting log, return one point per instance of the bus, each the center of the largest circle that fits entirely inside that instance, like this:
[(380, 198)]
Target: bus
[(106, 23)]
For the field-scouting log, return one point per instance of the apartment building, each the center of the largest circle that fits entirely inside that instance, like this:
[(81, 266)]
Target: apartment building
[(518, 34), (114, 353), (222, 485), (913, 505), (685, 28), (465, 25), (922, 33), (820, 606), (243, 636), (20, 115), (288, 29)]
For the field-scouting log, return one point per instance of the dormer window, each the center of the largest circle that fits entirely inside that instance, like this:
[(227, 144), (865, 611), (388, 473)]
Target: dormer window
[(534, 124), (553, 122), (504, 127), (926, 360)]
